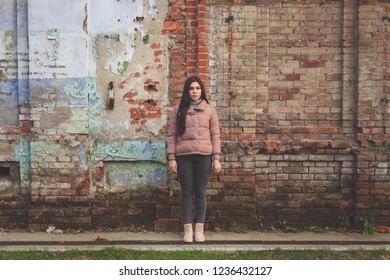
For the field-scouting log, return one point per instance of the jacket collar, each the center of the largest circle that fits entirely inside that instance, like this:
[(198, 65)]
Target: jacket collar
[(202, 106)]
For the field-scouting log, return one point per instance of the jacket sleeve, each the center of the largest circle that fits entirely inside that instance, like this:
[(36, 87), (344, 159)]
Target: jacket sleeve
[(172, 132), (215, 134)]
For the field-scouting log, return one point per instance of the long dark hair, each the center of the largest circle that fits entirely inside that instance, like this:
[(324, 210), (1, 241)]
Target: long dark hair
[(185, 103)]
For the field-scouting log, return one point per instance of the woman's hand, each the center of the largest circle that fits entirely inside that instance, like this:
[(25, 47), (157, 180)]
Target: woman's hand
[(173, 165), (217, 166)]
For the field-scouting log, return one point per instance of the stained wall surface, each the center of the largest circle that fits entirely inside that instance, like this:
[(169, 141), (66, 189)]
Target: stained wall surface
[(301, 89)]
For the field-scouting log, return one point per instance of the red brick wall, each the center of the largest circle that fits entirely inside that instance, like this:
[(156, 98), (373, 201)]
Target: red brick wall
[(373, 111), (301, 89)]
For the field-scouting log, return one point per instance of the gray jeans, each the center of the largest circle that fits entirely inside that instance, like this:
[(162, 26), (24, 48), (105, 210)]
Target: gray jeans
[(194, 173)]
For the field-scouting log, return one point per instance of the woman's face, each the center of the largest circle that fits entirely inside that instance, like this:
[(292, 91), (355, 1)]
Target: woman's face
[(195, 91)]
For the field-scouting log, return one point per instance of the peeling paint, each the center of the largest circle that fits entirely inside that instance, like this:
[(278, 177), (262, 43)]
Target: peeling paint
[(123, 67), (65, 92), (94, 49), (142, 30), (145, 39), (128, 60), (120, 23), (133, 174), (23, 155), (9, 103), (53, 79), (96, 106), (118, 52), (79, 119), (112, 36), (152, 8), (52, 34), (10, 40), (131, 150), (117, 18), (39, 149), (83, 158), (55, 119), (73, 88), (109, 125), (69, 62), (156, 125), (74, 144)]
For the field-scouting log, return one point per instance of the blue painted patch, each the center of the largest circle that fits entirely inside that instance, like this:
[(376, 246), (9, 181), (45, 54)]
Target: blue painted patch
[(71, 91), (9, 94), (23, 91), (130, 150), (22, 153), (160, 175), (135, 174), (8, 21), (9, 103), (83, 156)]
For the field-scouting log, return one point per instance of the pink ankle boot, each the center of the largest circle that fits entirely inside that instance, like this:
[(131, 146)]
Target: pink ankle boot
[(199, 236), (188, 233)]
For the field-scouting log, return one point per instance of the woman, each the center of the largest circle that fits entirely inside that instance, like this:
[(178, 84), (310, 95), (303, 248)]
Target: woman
[(193, 148)]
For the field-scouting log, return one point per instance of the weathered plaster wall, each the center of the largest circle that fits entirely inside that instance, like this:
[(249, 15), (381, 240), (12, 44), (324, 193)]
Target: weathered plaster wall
[(72, 148), (8, 67)]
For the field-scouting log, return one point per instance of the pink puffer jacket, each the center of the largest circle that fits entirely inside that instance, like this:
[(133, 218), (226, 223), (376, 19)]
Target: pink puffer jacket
[(202, 135)]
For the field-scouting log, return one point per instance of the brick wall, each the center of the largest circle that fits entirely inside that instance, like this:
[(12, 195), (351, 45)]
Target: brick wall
[(277, 81), (14, 122), (301, 89), (373, 113)]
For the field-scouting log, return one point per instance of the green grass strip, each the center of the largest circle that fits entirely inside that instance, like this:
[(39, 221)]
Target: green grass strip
[(125, 254)]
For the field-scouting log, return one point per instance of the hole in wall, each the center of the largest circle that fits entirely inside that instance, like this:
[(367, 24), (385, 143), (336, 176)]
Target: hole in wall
[(9, 178), (5, 171)]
